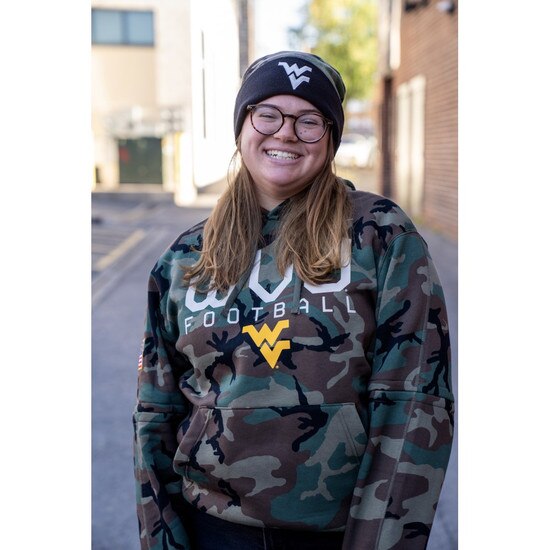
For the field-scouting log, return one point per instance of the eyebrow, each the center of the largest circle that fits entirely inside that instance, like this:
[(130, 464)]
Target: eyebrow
[(300, 112)]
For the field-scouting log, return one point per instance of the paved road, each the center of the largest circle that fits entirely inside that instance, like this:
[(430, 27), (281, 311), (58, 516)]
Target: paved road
[(129, 233), (118, 298)]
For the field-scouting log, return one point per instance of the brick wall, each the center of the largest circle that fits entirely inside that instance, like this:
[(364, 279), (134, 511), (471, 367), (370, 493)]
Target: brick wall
[(429, 46)]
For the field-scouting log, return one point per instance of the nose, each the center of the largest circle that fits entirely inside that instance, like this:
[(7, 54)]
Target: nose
[(286, 131)]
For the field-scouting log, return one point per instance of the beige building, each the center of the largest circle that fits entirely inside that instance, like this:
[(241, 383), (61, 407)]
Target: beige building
[(164, 77)]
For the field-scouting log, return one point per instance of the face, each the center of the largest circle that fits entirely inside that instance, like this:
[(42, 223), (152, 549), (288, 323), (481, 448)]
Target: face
[(281, 165)]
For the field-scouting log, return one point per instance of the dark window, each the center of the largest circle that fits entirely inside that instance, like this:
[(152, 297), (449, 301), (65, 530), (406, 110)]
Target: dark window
[(133, 28)]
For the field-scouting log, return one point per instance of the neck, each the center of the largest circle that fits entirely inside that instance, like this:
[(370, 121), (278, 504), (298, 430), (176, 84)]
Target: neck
[(267, 202)]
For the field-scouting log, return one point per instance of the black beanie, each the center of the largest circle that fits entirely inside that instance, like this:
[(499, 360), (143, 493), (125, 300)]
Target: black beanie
[(295, 73)]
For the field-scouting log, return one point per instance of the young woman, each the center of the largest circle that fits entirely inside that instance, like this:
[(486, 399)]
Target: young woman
[(294, 385)]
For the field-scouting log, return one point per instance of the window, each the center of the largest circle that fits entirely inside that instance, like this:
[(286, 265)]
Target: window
[(133, 28)]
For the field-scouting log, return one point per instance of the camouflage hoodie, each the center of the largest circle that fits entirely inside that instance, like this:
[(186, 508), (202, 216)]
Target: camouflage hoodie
[(285, 404)]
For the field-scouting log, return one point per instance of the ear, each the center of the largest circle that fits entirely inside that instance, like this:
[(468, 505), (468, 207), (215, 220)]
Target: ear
[(330, 150)]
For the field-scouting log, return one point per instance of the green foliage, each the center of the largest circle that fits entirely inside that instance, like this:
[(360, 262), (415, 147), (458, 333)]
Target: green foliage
[(344, 33)]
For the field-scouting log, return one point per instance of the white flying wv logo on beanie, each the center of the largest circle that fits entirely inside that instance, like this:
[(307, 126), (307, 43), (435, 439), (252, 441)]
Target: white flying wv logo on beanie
[(294, 72)]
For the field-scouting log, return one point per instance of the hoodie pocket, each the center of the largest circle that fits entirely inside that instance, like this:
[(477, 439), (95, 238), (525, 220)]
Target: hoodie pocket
[(284, 466), (189, 438)]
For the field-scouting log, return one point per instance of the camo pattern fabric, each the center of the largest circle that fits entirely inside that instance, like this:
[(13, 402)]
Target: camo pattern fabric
[(308, 407)]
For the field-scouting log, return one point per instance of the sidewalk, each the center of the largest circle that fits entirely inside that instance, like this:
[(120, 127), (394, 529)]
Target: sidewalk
[(117, 324)]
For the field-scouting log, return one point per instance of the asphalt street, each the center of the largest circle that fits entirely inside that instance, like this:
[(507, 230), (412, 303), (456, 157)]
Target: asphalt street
[(129, 232), (118, 299)]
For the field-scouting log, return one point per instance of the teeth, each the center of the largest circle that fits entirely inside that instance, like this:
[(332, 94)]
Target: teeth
[(281, 154)]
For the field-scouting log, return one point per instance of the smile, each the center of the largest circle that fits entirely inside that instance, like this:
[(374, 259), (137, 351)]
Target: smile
[(274, 153)]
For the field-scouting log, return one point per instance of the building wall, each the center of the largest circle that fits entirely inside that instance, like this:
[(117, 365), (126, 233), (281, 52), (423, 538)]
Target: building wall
[(215, 79), (429, 47), (123, 80), (123, 76), (427, 54), (180, 90), (173, 52)]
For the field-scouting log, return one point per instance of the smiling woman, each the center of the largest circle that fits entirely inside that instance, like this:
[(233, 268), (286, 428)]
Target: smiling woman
[(294, 384), (280, 162)]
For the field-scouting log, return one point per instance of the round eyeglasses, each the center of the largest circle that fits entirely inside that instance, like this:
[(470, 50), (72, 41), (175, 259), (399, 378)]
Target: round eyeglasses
[(268, 120)]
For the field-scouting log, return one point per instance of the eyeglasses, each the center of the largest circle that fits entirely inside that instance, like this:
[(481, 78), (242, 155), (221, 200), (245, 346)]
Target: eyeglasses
[(268, 120)]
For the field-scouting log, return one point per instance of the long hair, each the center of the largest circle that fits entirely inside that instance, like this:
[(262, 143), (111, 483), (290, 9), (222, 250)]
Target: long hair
[(313, 225)]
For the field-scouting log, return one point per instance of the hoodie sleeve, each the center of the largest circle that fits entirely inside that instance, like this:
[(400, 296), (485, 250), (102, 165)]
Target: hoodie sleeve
[(159, 410), (410, 406)]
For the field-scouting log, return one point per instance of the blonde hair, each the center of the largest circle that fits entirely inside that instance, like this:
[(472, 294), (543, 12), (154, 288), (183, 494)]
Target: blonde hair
[(313, 225)]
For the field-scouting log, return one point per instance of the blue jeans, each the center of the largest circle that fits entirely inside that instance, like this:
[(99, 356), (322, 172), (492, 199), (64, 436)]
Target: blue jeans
[(210, 533)]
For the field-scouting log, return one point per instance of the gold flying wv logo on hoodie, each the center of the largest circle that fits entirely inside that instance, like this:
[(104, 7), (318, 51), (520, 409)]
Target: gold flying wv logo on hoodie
[(266, 340)]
